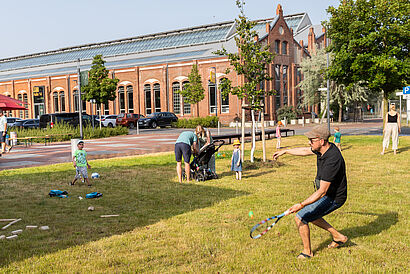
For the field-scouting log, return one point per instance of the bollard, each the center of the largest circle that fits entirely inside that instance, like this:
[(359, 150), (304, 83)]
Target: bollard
[(73, 147), (13, 138)]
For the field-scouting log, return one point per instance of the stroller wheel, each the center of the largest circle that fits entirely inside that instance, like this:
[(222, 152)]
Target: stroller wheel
[(200, 177)]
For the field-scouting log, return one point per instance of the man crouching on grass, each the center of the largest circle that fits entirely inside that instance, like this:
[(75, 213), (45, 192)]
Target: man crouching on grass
[(331, 185)]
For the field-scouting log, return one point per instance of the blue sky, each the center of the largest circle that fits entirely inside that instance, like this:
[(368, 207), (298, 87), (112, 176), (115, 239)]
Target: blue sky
[(31, 26)]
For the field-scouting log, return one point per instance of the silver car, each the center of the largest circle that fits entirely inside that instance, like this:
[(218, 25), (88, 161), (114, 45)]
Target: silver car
[(109, 120), (11, 121)]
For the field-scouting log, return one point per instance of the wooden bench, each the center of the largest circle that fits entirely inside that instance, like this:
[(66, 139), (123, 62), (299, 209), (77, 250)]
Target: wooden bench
[(268, 132), (29, 140)]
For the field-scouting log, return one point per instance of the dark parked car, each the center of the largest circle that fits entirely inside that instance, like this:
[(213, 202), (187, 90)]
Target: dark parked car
[(71, 118), (128, 119), (29, 123), (155, 119)]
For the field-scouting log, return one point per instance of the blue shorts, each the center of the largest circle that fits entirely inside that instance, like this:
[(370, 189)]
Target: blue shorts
[(182, 149), (317, 210)]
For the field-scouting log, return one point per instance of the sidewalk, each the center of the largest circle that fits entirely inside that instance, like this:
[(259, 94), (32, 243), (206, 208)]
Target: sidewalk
[(148, 141)]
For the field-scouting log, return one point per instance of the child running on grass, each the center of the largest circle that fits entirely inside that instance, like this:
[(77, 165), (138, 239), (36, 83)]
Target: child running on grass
[(337, 137), (236, 164), (80, 163)]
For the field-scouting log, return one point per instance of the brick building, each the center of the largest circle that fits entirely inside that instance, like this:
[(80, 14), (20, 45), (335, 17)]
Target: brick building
[(152, 67)]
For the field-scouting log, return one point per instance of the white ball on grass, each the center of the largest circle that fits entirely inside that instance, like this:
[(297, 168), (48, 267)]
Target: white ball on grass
[(95, 175)]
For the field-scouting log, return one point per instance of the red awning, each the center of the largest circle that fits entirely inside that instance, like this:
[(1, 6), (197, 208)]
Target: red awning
[(8, 103), (4, 98)]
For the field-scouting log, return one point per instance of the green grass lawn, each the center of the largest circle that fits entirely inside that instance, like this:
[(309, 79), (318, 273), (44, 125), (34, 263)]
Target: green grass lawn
[(204, 226)]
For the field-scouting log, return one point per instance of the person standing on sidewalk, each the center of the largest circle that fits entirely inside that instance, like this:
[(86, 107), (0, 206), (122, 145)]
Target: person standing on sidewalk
[(3, 132), (391, 128)]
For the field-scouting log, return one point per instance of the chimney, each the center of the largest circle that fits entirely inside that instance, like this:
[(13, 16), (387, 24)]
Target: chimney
[(311, 41), (279, 10), (267, 27)]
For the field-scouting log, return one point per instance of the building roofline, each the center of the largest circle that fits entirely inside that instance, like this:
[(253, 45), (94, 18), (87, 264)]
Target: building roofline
[(131, 39), (122, 40)]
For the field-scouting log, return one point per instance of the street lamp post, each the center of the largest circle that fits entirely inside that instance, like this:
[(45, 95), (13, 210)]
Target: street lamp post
[(80, 102), (216, 98)]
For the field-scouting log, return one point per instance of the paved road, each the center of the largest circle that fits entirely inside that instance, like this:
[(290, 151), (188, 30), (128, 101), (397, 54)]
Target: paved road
[(147, 141)]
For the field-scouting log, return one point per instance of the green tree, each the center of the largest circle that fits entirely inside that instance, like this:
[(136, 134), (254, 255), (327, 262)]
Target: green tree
[(193, 91), (250, 62), (370, 43), (100, 87), (314, 70)]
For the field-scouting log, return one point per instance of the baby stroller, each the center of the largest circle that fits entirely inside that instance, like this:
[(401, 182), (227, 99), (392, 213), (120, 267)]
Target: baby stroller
[(199, 165)]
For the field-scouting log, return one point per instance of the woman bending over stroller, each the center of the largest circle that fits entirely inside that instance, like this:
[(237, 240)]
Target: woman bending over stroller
[(205, 138)]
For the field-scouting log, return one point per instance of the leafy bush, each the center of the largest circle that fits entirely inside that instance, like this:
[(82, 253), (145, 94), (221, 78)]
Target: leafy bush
[(209, 121), (287, 111), (60, 131)]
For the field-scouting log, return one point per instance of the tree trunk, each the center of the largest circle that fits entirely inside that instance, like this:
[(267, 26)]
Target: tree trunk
[(197, 109), (253, 136), (340, 113), (385, 107), (263, 135), (243, 133)]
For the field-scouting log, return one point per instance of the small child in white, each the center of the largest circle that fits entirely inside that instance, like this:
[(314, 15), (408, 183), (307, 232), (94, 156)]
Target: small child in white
[(80, 163), (236, 163)]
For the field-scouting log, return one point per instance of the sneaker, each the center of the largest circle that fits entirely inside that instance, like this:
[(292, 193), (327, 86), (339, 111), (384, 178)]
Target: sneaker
[(71, 183)]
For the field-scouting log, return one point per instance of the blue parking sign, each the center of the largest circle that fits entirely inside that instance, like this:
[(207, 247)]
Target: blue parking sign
[(406, 90)]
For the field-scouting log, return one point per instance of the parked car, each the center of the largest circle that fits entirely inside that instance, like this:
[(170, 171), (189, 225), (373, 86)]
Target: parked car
[(71, 118), (128, 119), (161, 119), (29, 123), (11, 121), (109, 120)]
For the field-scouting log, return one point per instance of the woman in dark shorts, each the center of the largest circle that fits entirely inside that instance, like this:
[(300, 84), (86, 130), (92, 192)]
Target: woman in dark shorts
[(185, 141)]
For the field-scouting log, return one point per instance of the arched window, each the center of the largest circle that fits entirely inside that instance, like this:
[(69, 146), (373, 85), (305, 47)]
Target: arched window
[(224, 100), (121, 99), (25, 99), (62, 101), (20, 98), (75, 99), (284, 47), (285, 84), (147, 91), (130, 98), (55, 102), (277, 85), (212, 97), (277, 46), (176, 98), (157, 97), (187, 106)]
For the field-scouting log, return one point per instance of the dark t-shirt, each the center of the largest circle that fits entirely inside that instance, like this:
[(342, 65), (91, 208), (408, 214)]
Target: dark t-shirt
[(331, 168)]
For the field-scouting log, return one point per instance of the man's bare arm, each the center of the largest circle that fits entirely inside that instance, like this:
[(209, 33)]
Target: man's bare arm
[(298, 151)]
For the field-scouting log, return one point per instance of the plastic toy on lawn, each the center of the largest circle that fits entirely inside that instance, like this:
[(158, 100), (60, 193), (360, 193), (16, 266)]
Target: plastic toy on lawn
[(95, 175)]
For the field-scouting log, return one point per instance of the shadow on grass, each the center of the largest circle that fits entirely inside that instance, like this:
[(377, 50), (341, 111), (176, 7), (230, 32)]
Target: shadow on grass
[(142, 195), (382, 223)]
